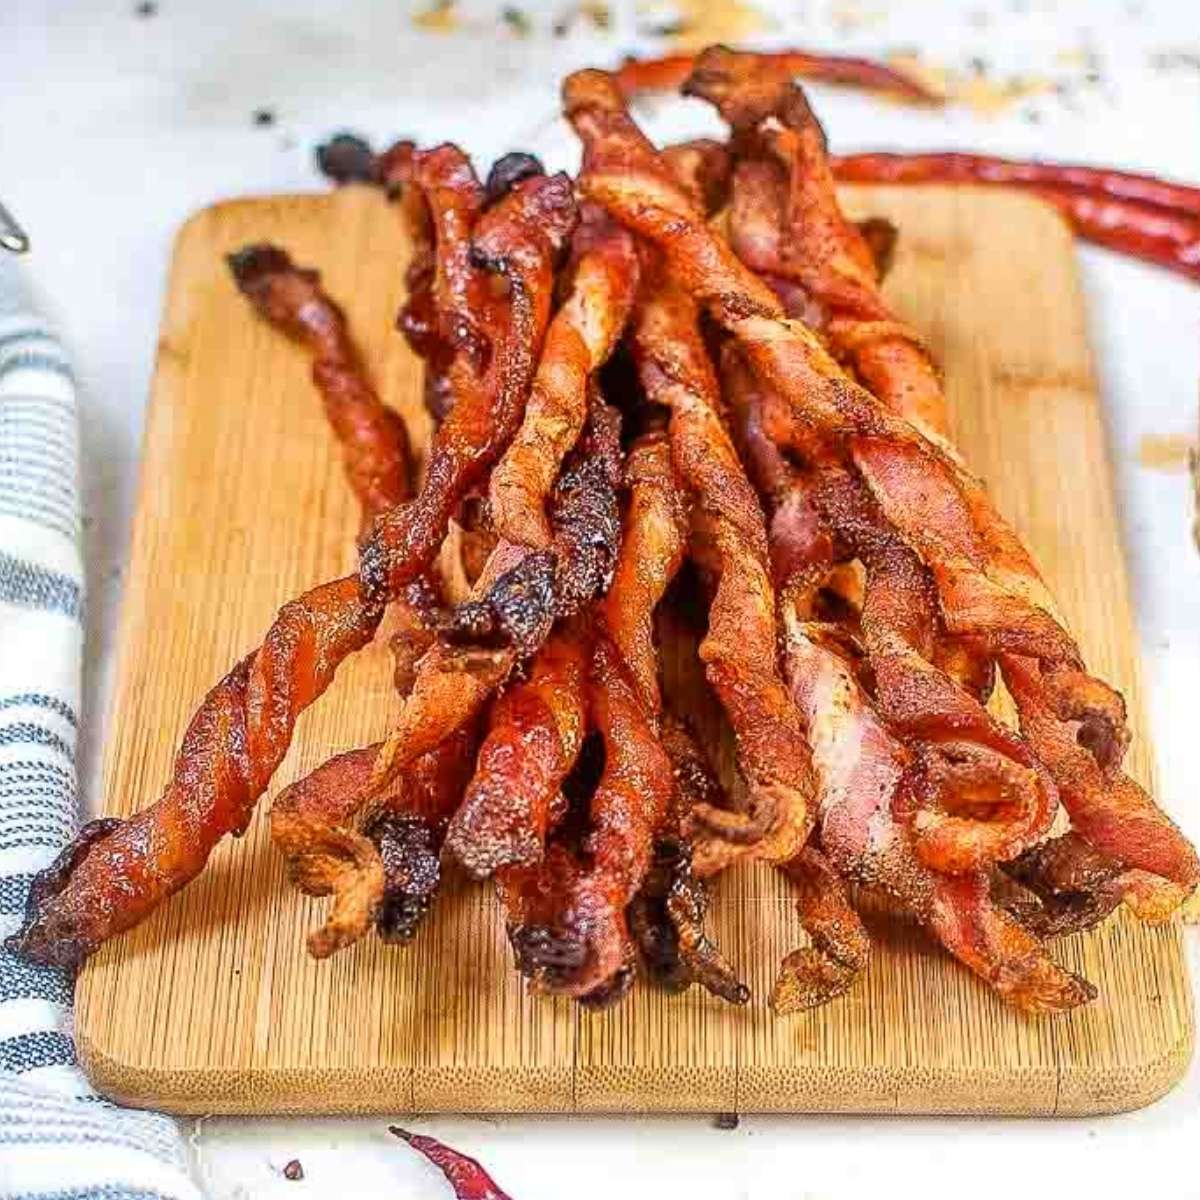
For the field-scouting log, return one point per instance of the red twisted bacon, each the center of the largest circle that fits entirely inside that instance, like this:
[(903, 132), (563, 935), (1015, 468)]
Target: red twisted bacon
[(241, 732), (603, 273), (1074, 722), (1138, 215), (728, 541), (987, 586), (566, 916), (517, 599), (518, 239), (667, 73), (375, 447), (534, 735), (861, 769), (865, 775), (232, 746)]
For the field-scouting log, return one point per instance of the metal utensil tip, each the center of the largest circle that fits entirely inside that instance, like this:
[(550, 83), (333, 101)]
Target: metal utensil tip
[(12, 236)]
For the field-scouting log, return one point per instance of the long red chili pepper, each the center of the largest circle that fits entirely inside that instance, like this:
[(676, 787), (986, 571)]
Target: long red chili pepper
[(952, 166), (468, 1179), (668, 73), (1168, 236)]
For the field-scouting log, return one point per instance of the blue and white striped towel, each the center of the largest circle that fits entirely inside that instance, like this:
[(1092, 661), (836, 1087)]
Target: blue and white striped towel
[(58, 1139)]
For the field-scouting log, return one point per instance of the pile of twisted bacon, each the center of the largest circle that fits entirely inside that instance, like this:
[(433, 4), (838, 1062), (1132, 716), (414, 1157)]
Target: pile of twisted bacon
[(671, 386)]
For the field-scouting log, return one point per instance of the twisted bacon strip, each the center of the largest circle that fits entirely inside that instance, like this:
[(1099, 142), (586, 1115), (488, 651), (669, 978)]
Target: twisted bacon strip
[(1074, 722), (566, 918), (603, 273), (388, 871), (861, 769), (376, 454), (667, 73), (517, 599), (666, 916), (729, 541), (535, 732), (518, 239), (232, 746), (986, 583)]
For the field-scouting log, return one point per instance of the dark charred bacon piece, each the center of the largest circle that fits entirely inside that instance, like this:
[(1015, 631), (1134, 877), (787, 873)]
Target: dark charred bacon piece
[(603, 271), (1137, 215), (570, 930), (518, 240), (534, 735), (666, 917), (347, 158), (375, 446), (376, 865), (669, 72), (729, 542), (232, 746), (839, 949), (518, 598)]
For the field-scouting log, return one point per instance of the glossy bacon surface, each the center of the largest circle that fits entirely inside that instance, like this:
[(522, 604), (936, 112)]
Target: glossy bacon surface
[(729, 542), (603, 273), (518, 240), (237, 738)]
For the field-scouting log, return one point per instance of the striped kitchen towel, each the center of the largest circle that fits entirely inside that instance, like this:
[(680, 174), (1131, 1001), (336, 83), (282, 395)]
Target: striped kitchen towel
[(58, 1139)]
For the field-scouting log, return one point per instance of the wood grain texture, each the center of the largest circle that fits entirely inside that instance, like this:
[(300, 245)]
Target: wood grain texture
[(214, 1006)]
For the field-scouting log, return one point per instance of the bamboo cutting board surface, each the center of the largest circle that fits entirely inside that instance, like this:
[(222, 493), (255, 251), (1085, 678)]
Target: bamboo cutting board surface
[(213, 1004)]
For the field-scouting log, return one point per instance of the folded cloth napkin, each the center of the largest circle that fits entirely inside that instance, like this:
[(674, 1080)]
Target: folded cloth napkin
[(58, 1139)]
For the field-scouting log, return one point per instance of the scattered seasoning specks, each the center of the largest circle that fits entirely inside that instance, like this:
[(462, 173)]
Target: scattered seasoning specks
[(264, 116), (293, 1171), (517, 20), (146, 9)]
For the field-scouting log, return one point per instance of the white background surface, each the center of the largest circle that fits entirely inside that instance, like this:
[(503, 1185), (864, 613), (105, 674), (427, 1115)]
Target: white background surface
[(114, 128)]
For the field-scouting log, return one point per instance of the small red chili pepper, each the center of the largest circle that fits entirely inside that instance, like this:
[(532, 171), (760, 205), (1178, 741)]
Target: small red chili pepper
[(468, 1179), (954, 167), (1168, 236), (668, 73)]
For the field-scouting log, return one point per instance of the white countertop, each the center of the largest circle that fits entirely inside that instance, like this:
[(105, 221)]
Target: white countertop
[(114, 127)]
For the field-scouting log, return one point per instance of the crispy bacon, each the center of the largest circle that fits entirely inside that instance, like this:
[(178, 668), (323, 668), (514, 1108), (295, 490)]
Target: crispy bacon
[(534, 735), (232, 746), (666, 917), (729, 541), (375, 448), (517, 599), (861, 769), (667, 73), (987, 585), (652, 551), (583, 333), (839, 947), (518, 240), (379, 866)]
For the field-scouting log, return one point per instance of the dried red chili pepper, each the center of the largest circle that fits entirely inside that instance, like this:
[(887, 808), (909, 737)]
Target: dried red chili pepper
[(951, 166), (1153, 232), (468, 1179), (667, 73)]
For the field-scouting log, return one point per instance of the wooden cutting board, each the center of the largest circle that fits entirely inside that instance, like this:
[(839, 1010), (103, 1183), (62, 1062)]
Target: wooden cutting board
[(213, 1004)]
